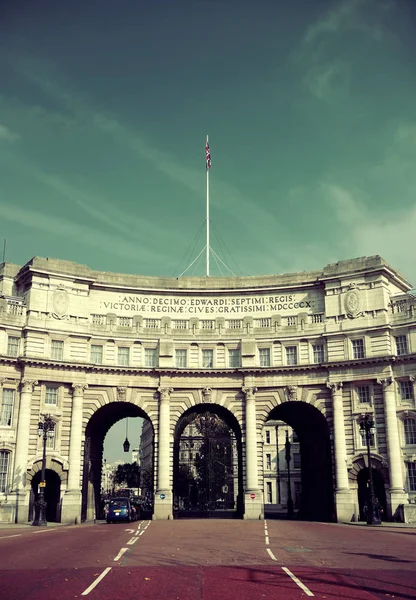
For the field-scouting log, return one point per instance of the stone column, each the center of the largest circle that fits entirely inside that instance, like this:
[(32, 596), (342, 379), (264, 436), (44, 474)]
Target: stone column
[(343, 497), (394, 453), (21, 452), (71, 502), (253, 495), (163, 499)]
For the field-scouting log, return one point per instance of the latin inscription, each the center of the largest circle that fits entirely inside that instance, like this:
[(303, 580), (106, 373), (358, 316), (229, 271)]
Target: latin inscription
[(197, 306)]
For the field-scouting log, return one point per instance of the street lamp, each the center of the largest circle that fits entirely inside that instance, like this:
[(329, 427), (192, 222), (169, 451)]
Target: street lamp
[(367, 429), (126, 443), (46, 428), (289, 490)]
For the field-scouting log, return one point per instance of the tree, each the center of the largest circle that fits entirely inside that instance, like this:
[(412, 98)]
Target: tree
[(127, 475)]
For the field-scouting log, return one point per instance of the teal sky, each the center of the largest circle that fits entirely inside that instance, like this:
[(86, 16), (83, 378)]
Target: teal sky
[(309, 106)]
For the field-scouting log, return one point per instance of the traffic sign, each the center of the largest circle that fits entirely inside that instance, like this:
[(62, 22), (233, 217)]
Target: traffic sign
[(162, 496), (42, 484), (252, 496)]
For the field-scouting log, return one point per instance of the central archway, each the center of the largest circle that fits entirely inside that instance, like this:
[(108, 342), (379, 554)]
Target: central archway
[(207, 473), (99, 424), (316, 497)]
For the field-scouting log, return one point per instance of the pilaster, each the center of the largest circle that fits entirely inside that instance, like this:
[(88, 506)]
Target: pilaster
[(163, 498), (253, 495)]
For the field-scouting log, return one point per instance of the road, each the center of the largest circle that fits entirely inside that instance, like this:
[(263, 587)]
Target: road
[(208, 560)]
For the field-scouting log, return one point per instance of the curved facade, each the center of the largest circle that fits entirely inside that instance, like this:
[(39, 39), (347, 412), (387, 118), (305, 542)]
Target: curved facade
[(315, 350)]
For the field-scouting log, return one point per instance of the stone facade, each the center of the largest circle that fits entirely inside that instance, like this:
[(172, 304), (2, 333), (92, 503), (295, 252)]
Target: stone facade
[(316, 350)]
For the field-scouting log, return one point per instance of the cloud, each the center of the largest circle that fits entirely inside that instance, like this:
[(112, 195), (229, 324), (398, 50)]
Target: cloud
[(69, 229), (227, 199), (320, 53), (348, 15), (367, 232), (7, 135)]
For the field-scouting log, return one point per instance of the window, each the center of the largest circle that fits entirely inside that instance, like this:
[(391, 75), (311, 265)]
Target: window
[(411, 473), (266, 322), (268, 462), (13, 346), (264, 357), (51, 396), (234, 324), (50, 440), (296, 460), (234, 358), (150, 357), (363, 392), (207, 359), (269, 492), (291, 355), (181, 358), (317, 318), (7, 402), (406, 390), (358, 348), (96, 354), (124, 321), (57, 350), (401, 345), (123, 356), (267, 436), (4, 467), (152, 323), (318, 353), (180, 324), (99, 319), (409, 431)]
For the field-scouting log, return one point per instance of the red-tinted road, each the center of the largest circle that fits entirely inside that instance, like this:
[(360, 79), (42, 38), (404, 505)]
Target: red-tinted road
[(208, 560)]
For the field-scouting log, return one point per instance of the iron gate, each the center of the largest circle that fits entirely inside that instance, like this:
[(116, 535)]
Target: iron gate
[(206, 478)]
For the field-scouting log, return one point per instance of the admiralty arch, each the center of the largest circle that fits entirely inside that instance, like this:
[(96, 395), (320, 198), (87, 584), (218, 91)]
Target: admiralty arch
[(319, 351)]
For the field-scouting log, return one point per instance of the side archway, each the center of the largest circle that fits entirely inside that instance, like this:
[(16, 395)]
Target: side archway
[(98, 426), (316, 497)]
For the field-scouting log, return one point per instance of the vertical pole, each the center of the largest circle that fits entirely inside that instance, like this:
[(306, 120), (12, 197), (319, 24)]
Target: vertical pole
[(207, 247), (4, 250)]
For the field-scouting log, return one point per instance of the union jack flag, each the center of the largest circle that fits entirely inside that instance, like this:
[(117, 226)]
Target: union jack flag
[(208, 155)]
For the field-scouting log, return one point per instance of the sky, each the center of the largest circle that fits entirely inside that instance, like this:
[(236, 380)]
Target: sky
[(309, 107)]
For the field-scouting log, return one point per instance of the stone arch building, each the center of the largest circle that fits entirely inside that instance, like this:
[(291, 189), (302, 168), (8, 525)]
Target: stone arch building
[(316, 350)]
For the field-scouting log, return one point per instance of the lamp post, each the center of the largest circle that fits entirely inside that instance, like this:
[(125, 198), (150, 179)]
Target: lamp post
[(289, 490), (46, 429), (279, 496), (367, 429), (126, 443)]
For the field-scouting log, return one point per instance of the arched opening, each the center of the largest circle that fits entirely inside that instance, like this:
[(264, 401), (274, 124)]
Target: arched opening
[(363, 481), (52, 495), (309, 473), (95, 484), (207, 473)]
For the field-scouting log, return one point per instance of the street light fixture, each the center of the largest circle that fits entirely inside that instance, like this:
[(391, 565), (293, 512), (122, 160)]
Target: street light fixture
[(46, 429), (290, 511), (367, 429), (126, 443)]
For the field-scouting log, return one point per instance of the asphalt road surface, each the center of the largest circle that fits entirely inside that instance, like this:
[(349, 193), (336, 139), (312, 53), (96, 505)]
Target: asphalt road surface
[(208, 560)]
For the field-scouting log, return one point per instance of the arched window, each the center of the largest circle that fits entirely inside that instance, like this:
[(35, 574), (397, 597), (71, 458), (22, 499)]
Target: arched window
[(409, 431), (4, 469)]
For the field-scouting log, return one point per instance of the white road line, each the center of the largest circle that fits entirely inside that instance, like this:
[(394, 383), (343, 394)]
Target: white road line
[(132, 541), (96, 582), (272, 556), (9, 536), (120, 554), (44, 530), (267, 540), (298, 582)]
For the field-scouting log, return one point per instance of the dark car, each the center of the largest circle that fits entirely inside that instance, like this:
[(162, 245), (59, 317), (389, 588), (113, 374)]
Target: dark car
[(120, 509)]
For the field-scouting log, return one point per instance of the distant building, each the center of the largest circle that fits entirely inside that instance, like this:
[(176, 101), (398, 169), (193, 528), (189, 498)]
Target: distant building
[(313, 354)]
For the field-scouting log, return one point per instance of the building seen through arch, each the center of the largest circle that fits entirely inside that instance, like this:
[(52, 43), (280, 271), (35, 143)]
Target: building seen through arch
[(226, 373)]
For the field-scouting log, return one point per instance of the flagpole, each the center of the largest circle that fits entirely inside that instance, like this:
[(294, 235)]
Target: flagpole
[(207, 247)]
